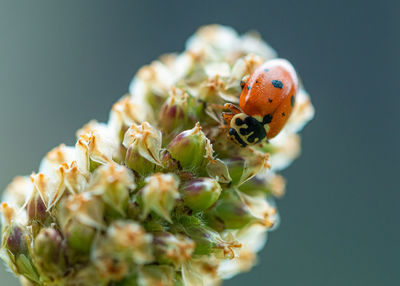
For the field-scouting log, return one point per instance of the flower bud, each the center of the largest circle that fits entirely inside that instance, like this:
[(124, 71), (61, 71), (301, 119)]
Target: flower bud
[(235, 166), (190, 148), (162, 275), (16, 241), (245, 167), (211, 89), (200, 194), (79, 237), (256, 185), (86, 208), (160, 194), (96, 145), (84, 275), (143, 144), (112, 183), (138, 163), (125, 245), (49, 249), (262, 208), (175, 249), (131, 238), (232, 211), (126, 112), (110, 269), (207, 240), (173, 113), (36, 209), (18, 257), (218, 170), (202, 270), (271, 183)]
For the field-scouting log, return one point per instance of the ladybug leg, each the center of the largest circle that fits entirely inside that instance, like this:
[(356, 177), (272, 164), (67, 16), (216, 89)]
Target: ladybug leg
[(228, 117), (233, 108), (216, 106)]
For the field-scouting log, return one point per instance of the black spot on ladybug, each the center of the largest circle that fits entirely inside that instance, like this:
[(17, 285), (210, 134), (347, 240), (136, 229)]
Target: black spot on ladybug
[(239, 121), (269, 100), (242, 83), (237, 137), (283, 114), (256, 81), (266, 70), (277, 84), (248, 87), (267, 119), (292, 101)]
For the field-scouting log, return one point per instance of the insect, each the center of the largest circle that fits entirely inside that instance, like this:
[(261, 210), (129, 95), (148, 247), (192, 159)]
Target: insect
[(266, 102)]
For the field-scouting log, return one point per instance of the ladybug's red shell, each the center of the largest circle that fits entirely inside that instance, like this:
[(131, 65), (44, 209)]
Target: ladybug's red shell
[(271, 89)]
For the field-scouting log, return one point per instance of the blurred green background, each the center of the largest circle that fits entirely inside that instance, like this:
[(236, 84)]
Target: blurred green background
[(63, 63)]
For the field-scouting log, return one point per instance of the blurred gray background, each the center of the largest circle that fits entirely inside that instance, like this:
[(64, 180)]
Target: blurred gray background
[(64, 63)]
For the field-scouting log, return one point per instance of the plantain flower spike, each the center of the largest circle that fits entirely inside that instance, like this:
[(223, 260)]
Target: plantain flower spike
[(161, 194)]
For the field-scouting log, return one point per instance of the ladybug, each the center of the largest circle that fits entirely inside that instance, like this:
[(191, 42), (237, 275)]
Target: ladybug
[(266, 102)]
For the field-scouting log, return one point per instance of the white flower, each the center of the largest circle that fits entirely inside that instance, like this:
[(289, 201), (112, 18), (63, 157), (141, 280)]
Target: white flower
[(155, 78), (18, 191), (160, 194), (126, 112), (215, 41), (253, 238), (157, 275), (49, 188), (252, 43), (286, 148), (201, 271), (302, 113), (130, 238), (255, 163), (56, 157), (217, 69), (112, 182), (86, 208), (146, 139), (96, 144), (243, 263), (61, 163)]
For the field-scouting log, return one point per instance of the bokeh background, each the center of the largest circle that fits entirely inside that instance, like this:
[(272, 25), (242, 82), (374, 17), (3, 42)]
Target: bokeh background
[(63, 63)]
